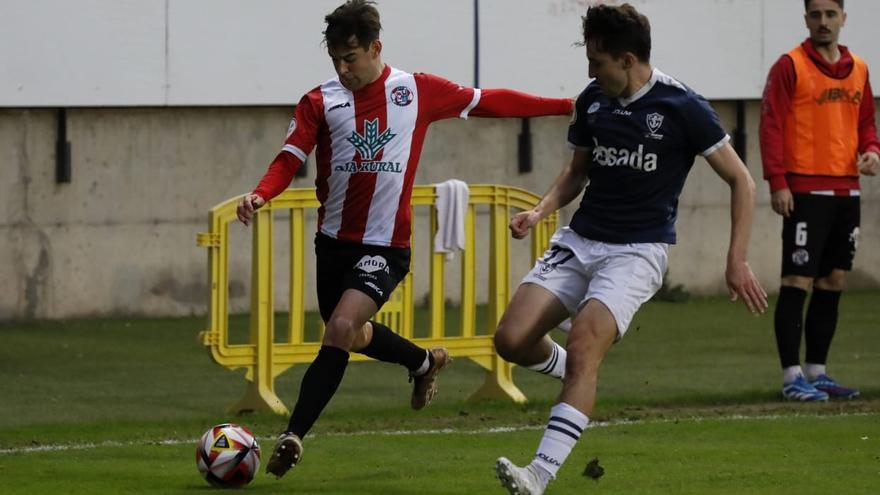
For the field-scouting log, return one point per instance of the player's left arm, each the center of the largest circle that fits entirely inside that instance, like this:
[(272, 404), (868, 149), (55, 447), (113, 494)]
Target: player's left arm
[(869, 145), (442, 99), (510, 103), (741, 281)]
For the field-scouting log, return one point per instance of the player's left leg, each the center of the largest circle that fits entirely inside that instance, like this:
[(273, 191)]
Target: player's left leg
[(377, 272), (822, 312), (593, 332), (626, 277)]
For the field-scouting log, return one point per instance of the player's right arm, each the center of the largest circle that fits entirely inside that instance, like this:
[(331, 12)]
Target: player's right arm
[(776, 104), (573, 178), (567, 186), (301, 138)]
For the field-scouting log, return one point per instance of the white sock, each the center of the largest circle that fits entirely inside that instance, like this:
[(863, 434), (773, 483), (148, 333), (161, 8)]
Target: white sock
[(424, 367), (554, 365), (563, 431), (791, 373), (813, 371)]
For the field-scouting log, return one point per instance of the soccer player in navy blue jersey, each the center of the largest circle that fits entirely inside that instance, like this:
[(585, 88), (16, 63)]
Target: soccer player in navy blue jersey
[(635, 134)]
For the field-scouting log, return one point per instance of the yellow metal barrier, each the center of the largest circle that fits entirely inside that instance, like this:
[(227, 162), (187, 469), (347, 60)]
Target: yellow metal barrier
[(265, 359)]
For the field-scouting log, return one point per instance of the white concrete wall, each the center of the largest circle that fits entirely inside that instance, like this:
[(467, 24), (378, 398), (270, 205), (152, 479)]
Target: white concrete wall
[(75, 53)]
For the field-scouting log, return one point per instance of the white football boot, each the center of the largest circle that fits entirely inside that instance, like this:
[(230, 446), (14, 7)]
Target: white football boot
[(518, 480)]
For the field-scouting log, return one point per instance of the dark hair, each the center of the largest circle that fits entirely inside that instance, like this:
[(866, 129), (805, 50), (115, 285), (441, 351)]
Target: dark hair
[(358, 18), (807, 4), (618, 29)]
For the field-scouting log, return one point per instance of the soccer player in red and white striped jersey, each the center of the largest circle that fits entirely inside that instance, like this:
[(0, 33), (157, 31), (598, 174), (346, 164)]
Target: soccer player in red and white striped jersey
[(368, 125)]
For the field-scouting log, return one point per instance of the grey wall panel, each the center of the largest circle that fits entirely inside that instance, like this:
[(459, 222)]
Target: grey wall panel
[(784, 28), (82, 53), (430, 36), (233, 52), (533, 44), (228, 52), (268, 52), (530, 46)]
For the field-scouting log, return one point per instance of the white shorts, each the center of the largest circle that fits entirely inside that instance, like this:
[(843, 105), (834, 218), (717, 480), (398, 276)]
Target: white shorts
[(621, 276)]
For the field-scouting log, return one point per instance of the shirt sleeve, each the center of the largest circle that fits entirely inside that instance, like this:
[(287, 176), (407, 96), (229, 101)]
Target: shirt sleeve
[(301, 138), (303, 130), (279, 176), (703, 128), (442, 99), (867, 126), (579, 133), (775, 105), (510, 103)]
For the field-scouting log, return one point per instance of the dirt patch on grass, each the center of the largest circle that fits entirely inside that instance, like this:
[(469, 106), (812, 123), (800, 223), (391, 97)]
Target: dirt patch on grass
[(709, 411)]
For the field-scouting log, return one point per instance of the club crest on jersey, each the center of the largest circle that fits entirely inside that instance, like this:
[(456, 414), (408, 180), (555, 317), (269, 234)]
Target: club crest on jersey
[(372, 264), (654, 121), (401, 96)]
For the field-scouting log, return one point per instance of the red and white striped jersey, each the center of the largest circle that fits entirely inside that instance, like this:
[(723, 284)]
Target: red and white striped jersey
[(368, 144)]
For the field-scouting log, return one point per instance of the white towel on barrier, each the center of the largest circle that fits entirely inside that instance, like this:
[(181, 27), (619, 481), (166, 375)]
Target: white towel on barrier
[(452, 206)]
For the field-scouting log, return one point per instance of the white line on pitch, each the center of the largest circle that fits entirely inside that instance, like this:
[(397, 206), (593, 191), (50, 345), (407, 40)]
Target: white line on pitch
[(441, 431)]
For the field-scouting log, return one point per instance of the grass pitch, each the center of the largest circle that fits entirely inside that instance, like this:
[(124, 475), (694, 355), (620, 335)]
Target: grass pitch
[(87, 405)]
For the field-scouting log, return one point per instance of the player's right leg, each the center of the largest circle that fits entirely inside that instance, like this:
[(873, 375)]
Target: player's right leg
[(521, 336), (322, 378), (547, 295)]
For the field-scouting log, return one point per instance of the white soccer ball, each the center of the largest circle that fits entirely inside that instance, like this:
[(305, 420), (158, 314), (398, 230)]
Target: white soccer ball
[(228, 455)]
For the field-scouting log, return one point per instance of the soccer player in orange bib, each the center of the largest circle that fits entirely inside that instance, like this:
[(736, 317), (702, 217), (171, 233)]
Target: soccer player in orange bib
[(817, 135)]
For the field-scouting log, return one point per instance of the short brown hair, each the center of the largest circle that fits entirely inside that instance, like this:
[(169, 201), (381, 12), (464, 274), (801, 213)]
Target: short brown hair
[(618, 29), (358, 18), (807, 4)]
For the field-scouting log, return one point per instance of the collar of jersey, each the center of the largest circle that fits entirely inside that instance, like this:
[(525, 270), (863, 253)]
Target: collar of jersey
[(655, 75)]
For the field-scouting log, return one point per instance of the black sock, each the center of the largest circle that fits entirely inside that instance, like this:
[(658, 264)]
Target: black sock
[(317, 388), (392, 348), (788, 321), (821, 324)]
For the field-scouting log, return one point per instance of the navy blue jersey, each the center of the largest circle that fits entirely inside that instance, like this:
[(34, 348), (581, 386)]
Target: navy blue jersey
[(643, 148)]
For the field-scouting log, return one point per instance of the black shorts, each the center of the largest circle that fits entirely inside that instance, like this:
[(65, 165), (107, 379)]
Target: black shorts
[(821, 235), (373, 270)]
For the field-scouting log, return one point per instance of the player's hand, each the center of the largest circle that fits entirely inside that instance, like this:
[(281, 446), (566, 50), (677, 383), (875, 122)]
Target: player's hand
[(246, 207), (522, 222), (869, 163), (782, 202), (742, 283)]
